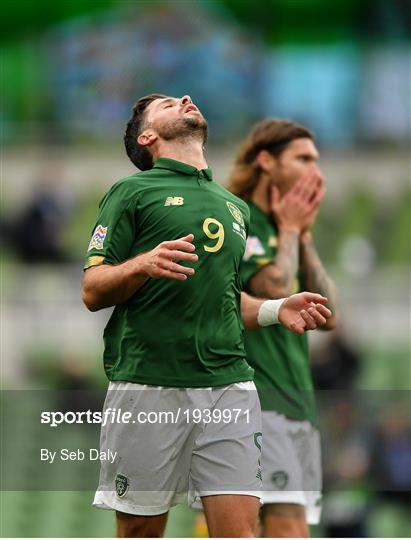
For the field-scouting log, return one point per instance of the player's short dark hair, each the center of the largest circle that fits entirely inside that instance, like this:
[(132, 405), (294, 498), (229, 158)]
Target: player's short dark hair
[(139, 155), (271, 134)]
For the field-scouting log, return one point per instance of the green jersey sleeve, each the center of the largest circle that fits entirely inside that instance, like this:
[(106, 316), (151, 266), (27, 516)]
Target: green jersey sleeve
[(115, 230), (260, 247), (255, 258)]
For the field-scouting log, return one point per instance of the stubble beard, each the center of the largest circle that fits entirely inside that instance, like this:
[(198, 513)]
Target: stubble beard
[(184, 128)]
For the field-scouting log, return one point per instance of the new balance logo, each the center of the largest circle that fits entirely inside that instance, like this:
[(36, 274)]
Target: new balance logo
[(174, 201)]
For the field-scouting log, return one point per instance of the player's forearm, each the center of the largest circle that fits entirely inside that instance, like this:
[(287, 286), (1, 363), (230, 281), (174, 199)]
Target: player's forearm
[(257, 313), (106, 285), (315, 276), (298, 313), (249, 311), (277, 280)]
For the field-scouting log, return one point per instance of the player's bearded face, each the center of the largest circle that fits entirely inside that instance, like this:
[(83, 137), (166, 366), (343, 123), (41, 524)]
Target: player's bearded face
[(188, 126)]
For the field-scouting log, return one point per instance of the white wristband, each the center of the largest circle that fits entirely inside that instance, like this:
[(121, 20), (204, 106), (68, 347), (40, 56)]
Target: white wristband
[(268, 312)]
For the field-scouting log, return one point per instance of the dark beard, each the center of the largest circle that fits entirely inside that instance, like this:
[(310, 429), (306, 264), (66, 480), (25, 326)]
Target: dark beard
[(184, 128)]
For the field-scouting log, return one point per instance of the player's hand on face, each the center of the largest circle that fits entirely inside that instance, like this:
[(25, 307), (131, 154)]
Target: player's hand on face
[(314, 204), (304, 311), (161, 262), (298, 208)]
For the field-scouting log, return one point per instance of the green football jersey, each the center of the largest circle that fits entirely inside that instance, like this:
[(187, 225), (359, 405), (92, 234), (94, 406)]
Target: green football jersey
[(175, 333), (280, 358)]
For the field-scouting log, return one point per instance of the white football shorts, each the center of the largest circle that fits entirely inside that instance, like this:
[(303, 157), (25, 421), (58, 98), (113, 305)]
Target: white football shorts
[(178, 443)]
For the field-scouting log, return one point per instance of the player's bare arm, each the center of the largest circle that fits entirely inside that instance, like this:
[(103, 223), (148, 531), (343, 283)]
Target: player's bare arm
[(109, 285), (299, 313), (276, 280), (291, 213), (316, 278)]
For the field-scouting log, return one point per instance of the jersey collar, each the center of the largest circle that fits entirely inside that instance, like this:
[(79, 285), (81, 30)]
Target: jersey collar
[(184, 168)]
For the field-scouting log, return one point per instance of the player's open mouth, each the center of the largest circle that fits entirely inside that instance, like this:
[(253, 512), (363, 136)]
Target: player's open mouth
[(191, 107)]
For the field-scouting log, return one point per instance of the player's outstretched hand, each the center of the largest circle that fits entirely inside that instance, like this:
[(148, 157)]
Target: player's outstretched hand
[(304, 311), (160, 262)]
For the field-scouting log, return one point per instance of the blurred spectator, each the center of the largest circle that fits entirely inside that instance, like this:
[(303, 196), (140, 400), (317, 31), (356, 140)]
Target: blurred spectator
[(36, 235), (346, 464), (336, 364), (391, 455), (76, 386)]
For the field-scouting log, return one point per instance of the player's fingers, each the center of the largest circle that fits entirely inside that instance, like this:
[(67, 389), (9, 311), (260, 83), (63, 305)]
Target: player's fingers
[(163, 273), (187, 238), (178, 268), (298, 328), (313, 206), (275, 195), (309, 188), (171, 266), (317, 316), (305, 188), (309, 321), (298, 187), (317, 197), (181, 245), (314, 298), (306, 182), (175, 255), (320, 180), (325, 312)]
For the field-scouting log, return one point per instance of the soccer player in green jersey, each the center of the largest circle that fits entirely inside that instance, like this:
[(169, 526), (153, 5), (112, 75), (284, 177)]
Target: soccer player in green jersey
[(166, 252), (276, 172)]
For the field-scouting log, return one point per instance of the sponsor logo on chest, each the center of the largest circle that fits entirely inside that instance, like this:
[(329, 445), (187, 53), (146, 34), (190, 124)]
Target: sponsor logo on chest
[(174, 201)]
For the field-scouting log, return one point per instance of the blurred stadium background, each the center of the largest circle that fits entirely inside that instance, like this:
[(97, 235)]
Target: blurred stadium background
[(70, 73)]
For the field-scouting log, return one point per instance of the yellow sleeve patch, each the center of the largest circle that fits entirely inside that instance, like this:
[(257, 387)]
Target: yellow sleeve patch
[(263, 261), (94, 260), (272, 241)]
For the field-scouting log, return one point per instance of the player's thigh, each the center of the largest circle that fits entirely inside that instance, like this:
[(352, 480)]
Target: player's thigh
[(280, 461), (231, 515), (284, 520), (312, 474), (131, 526), (309, 449), (226, 454), (149, 473)]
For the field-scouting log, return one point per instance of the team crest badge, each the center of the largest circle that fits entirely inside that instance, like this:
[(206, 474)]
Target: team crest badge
[(97, 240), (236, 213), (280, 479), (122, 485)]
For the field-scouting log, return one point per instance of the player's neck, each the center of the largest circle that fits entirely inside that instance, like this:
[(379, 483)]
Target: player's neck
[(261, 195), (188, 151)]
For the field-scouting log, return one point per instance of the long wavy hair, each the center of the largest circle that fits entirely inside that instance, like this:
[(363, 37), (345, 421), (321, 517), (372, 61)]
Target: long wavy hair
[(271, 134)]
